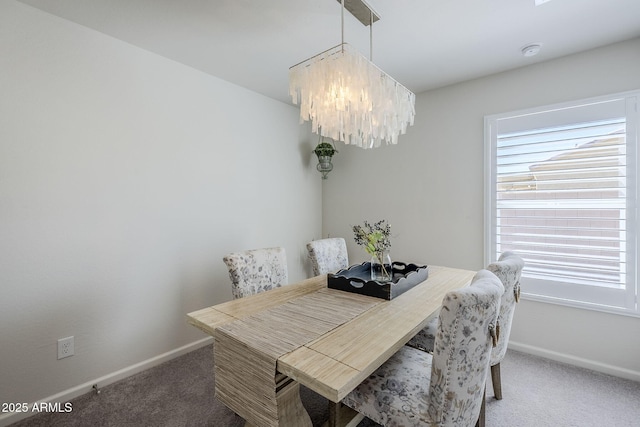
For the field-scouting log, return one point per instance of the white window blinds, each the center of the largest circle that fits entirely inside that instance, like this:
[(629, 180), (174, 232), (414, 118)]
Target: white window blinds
[(562, 195)]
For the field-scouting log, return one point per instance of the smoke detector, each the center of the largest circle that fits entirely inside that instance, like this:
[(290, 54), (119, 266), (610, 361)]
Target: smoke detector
[(531, 49)]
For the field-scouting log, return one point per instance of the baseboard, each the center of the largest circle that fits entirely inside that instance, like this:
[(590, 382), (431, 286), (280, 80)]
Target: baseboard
[(66, 395), (576, 361)]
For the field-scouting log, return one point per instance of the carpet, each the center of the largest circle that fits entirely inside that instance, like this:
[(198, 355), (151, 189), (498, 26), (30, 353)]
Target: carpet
[(536, 392)]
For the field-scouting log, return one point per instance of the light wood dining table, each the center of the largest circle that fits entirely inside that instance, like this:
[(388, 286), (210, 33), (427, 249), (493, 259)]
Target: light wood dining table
[(267, 344)]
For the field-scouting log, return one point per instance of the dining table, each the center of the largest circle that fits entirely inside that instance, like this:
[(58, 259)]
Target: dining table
[(329, 340)]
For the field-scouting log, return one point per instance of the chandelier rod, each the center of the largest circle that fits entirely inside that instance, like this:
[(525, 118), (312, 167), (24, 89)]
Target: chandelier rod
[(342, 24), (370, 35)]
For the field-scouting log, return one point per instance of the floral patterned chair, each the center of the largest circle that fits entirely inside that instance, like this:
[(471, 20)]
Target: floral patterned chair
[(508, 269), (256, 270), (415, 388), (328, 255)]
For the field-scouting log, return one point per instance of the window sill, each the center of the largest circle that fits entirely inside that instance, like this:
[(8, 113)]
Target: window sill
[(581, 305)]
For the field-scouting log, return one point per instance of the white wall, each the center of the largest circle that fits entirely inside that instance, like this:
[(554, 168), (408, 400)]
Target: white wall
[(430, 188), (124, 179)]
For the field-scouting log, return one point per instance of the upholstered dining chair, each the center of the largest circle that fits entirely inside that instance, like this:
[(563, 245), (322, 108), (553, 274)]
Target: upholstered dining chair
[(256, 270), (328, 255), (508, 269), (446, 389)]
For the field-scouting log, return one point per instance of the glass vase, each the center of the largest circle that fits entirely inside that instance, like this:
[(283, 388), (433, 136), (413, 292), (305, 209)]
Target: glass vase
[(381, 267)]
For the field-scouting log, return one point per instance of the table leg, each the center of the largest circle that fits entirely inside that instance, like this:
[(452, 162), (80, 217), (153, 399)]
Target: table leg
[(291, 412), (342, 416)]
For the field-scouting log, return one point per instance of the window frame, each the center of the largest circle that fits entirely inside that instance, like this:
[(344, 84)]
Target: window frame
[(568, 294)]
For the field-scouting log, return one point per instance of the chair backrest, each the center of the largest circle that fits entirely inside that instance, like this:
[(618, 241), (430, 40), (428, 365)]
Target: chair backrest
[(256, 270), (462, 351), (508, 268), (328, 255)]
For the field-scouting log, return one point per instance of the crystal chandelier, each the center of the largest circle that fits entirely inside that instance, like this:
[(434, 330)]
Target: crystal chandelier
[(348, 98)]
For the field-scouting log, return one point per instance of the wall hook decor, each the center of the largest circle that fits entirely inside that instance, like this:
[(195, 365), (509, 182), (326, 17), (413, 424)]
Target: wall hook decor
[(325, 152)]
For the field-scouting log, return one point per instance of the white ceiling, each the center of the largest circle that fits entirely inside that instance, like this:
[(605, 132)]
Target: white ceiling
[(423, 44)]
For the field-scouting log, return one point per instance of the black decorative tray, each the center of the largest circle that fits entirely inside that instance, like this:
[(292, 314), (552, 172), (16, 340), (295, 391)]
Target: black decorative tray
[(357, 279)]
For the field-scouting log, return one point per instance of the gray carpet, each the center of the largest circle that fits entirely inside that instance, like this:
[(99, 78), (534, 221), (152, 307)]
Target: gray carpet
[(537, 392)]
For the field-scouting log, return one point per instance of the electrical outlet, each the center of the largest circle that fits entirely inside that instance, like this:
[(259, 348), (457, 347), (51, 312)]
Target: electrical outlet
[(65, 347)]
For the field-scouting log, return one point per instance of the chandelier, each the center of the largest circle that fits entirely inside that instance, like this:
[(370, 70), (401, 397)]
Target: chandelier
[(348, 98)]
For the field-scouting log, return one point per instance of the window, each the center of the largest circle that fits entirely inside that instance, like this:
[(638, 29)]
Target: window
[(561, 191)]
